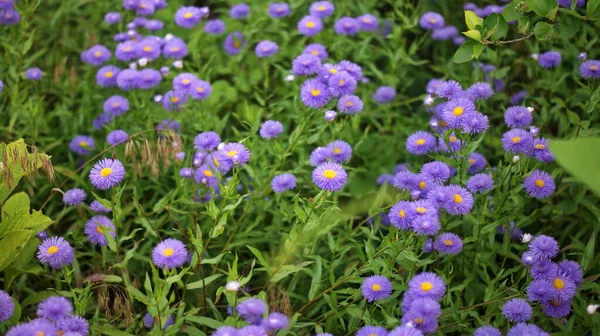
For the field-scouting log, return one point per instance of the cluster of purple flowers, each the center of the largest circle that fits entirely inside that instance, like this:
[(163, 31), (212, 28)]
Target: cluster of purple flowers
[(329, 173), (54, 317), (439, 30), (8, 13), (485, 11), (312, 24), (253, 311)]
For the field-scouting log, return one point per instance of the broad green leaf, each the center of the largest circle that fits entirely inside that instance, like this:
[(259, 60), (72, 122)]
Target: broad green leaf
[(473, 34), (544, 8), (510, 13), (464, 53), (495, 27), (472, 20), (568, 26), (543, 30), (593, 9), (581, 158)]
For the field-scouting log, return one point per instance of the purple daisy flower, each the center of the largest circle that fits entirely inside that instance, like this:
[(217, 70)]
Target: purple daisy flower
[(251, 307), (421, 208), (385, 178), (214, 27), (448, 89), (539, 290), (376, 287), (145, 7), (234, 42), (329, 176), (405, 180), (327, 70), (573, 270), (74, 196), (480, 91), (480, 183), (169, 253), (556, 309), (128, 79), (352, 68), (544, 247), (371, 331), (590, 69), (95, 227), (517, 141), (517, 117), (456, 111), (316, 49), (405, 331), (517, 310), (149, 78), (184, 81), (266, 48), (346, 26), (540, 148), (431, 21), (187, 172), (7, 306), (423, 314), (475, 123), (174, 100), (275, 321), (188, 17), (321, 9), (539, 184), (314, 93), (41, 326), (73, 324), (150, 321), (420, 143), (306, 64), (96, 55), (563, 288), (271, 129), (205, 175), (148, 48), (368, 22), (154, 25), (433, 85), (427, 285), (279, 10), (116, 105), (543, 269), (438, 171), (111, 17), (55, 308), (487, 331), (340, 151), (200, 90), (225, 331), (448, 243), (107, 173), (399, 215), (98, 207), (82, 144), (116, 137), (9, 17), (283, 182), (240, 11), (207, 141), (310, 26), (318, 156), (444, 33), (126, 51), (175, 48), (439, 195), (549, 59), (427, 225), (384, 94), (476, 162), (34, 74), (349, 104), (342, 83), (233, 154), (330, 115), (252, 330), (518, 97), (460, 201)]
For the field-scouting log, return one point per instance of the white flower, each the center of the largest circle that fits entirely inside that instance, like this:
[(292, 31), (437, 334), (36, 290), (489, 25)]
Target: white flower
[(535, 56), (530, 109), (178, 64), (221, 145), (433, 123), (143, 61), (232, 286), (526, 238), (591, 309), (516, 158), (133, 65), (169, 37), (428, 100), (158, 98), (289, 78), (131, 32)]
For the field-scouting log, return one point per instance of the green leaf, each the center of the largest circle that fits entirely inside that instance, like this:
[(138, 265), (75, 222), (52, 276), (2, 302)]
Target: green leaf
[(205, 321), (568, 26), (213, 261), (581, 158), (286, 270), (523, 25), (201, 283), (464, 53), (108, 330), (544, 8), (510, 12), (472, 20), (593, 9), (588, 253), (543, 30), (106, 203), (495, 27), (473, 34), (259, 256), (220, 227)]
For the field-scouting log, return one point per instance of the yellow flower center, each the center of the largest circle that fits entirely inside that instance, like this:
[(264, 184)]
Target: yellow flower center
[(174, 99), (108, 74), (186, 81), (237, 44), (418, 320), (457, 198), (558, 284), (471, 161), (200, 89), (367, 20), (376, 287), (106, 172), (142, 5), (341, 82), (448, 242), (314, 52), (187, 15), (147, 48), (52, 249), (315, 92), (232, 153), (422, 185), (540, 146), (453, 139), (421, 210), (97, 54), (329, 174), (554, 303), (593, 67), (458, 111), (420, 142), (39, 333), (128, 48), (443, 123), (402, 213), (83, 144), (432, 20), (337, 151), (174, 49), (99, 229), (426, 286), (207, 173), (168, 252), (61, 333), (332, 71), (321, 8), (516, 139), (310, 24), (349, 103), (539, 183), (115, 105)]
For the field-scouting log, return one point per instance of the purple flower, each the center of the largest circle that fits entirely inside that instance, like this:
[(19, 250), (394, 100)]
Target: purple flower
[(556, 309), (549, 59), (487, 331), (371, 331), (7, 306), (399, 215), (544, 247), (342, 83), (405, 180), (405, 331), (187, 172), (316, 49), (352, 68), (573, 270), (126, 51), (448, 243), (427, 285), (517, 141), (376, 287), (318, 156), (74, 196), (567, 3), (367, 22), (475, 123), (480, 91), (207, 141), (9, 17), (321, 9), (154, 25), (233, 154), (384, 94), (266, 48), (460, 201), (329, 176), (271, 129), (96, 55), (55, 308), (517, 117), (590, 69), (200, 90), (339, 151), (349, 104), (149, 78), (283, 182), (444, 33), (306, 64), (346, 26), (150, 321), (458, 40), (330, 115), (116, 137), (73, 324), (447, 89), (314, 93), (107, 76), (310, 25), (34, 74), (107, 173), (234, 42), (184, 81), (431, 21), (251, 307), (252, 330), (175, 48), (95, 227), (116, 105), (438, 171), (82, 144), (539, 184), (563, 288), (240, 11), (174, 100), (423, 314), (279, 10), (98, 207), (111, 17), (128, 79), (540, 290), (214, 27), (420, 143), (518, 97), (275, 321), (148, 48), (517, 310), (225, 331), (188, 17), (543, 269), (476, 163), (456, 111), (480, 183), (169, 253)]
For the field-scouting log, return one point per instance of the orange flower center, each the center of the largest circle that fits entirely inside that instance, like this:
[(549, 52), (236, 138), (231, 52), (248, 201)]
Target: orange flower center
[(540, 183)]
